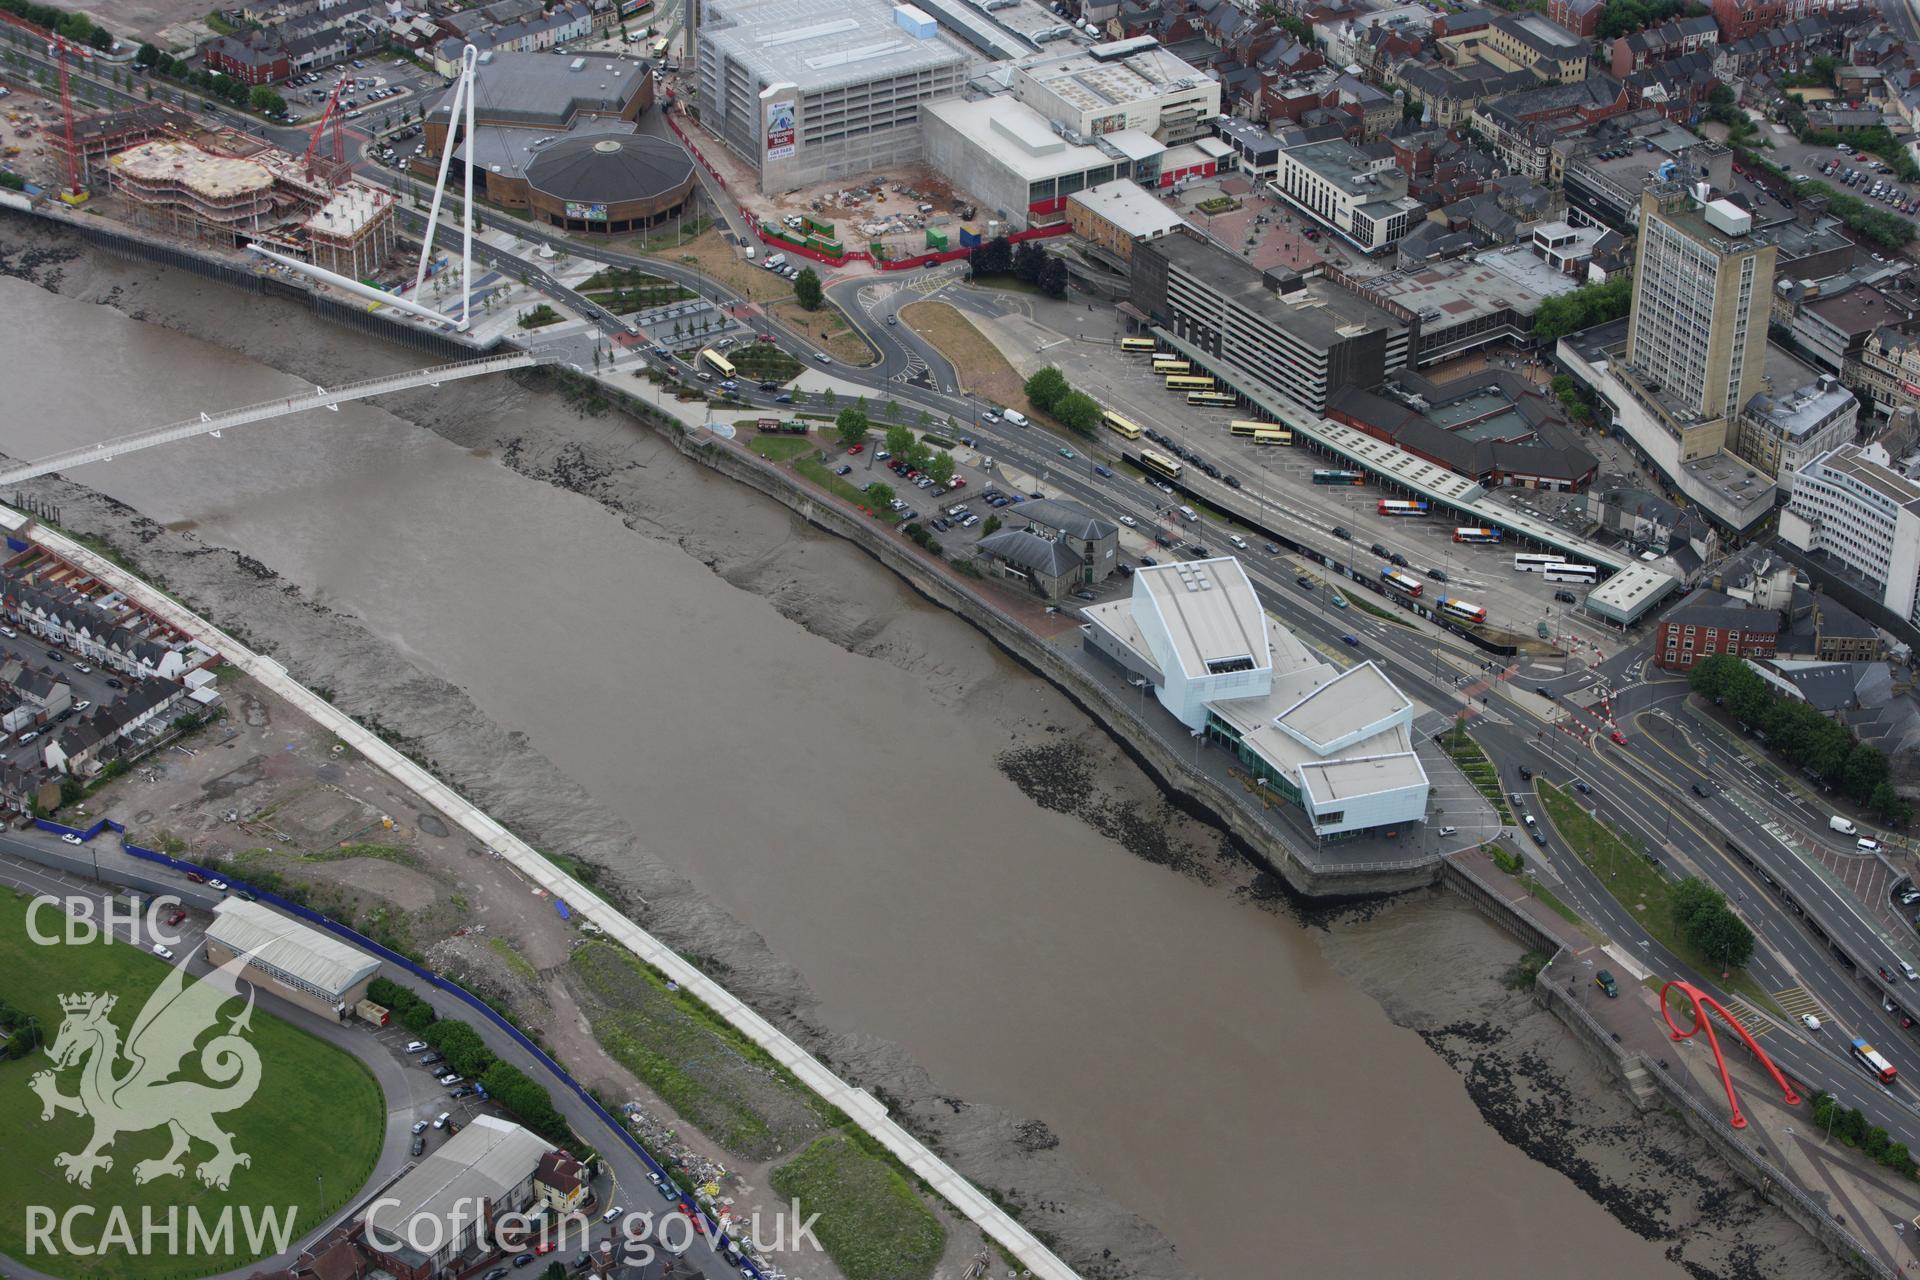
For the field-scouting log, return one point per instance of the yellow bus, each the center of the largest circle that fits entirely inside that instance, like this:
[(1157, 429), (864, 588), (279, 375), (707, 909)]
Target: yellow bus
[(660, 48), (1136, 344), (1248, 430), (721, 365), (1213, 399), (1119, 425), (1273, 435), (1159, 464), (1164, 365), (1189, 382)]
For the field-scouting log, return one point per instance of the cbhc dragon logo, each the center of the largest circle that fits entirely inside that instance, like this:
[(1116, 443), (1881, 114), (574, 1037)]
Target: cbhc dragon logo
[(147, 1095)]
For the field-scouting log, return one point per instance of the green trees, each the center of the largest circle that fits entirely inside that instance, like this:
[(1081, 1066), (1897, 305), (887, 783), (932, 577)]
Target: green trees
[(1049, 392), (461, 1045), (1079, 412), (414, 1013), (1708, 924), (1571, 312), (1851, 1127), (265, 100), (1026, 262), (851, 426), (146, 56), (1801, 735), (512, 1089), (806, 289), (940, 466), (879, 493), (1046, 388), (1623, 17), (899, 441)]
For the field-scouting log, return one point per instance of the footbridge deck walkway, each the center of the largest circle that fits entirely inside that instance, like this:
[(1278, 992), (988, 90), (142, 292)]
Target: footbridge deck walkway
[(320, 398), (860, 1106)]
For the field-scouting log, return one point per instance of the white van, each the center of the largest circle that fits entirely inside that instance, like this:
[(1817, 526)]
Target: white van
[(1240, 543), (1840, 824), (1866, 845), (1188, 514), (753, 251), (1016, 417)]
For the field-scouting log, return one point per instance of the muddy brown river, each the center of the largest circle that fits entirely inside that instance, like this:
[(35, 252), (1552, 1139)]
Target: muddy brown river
[(805, 769)]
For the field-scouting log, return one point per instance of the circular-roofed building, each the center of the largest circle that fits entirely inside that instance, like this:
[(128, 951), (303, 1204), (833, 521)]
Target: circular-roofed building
[(608, 182)]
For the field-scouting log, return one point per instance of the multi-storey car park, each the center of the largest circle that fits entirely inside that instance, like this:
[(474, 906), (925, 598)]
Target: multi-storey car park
[(810, 90)]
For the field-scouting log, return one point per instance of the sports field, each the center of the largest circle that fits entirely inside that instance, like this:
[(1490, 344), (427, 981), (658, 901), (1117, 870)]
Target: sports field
[(312, 1130)]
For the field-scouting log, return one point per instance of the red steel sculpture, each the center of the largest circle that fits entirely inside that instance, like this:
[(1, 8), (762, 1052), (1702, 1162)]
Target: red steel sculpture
[(1700, 998)]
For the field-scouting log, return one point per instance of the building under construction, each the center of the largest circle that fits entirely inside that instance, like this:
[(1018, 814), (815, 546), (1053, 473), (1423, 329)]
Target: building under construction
[(353, 232), (191, 191), (178, 187), (98, 136)]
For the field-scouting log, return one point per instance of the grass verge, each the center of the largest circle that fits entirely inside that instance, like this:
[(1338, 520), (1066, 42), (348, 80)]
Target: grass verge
[(1472, 761), (312, 1131), (780, 448), (1616, 859), (713, 1077), (872, 1223), (764, 362), (816, 471), (1361, 603), (979, 364)]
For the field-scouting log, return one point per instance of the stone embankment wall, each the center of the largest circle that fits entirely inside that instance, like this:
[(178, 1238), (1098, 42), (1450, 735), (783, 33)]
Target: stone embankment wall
[(1199, 794)]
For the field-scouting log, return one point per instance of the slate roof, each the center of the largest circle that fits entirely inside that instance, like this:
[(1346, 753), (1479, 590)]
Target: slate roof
[(1030, 551), (1069, 518), (1711, 609)]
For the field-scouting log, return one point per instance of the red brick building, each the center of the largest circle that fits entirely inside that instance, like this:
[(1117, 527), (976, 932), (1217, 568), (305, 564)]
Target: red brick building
[(1739, 19), (1582, 17), (1711, 623), (263, 63)]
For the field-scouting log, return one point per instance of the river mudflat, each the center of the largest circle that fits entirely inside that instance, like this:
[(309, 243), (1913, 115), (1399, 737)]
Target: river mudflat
[(885, 835)]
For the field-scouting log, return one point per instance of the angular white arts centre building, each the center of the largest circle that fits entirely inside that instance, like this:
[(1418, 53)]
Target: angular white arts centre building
[(1338, 744)]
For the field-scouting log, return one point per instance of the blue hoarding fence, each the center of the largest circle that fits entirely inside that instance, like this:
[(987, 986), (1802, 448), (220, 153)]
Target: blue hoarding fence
[(85, 833)]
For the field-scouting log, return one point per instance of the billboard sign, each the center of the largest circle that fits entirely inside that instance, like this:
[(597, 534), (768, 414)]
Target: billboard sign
[(587, 212), (780, 129)]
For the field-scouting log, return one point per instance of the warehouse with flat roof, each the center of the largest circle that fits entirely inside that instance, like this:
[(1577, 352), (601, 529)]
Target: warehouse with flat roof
[(297, 962), (811, 90)]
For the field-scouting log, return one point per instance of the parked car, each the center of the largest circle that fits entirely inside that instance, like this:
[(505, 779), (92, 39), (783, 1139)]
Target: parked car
[(419, 1126), (440, 1121), (174, 919), (419, 1145), (70, 838), (162, 951)]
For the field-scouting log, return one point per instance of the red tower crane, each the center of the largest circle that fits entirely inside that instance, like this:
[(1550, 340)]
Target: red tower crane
[(335, 116), (58, 46)]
